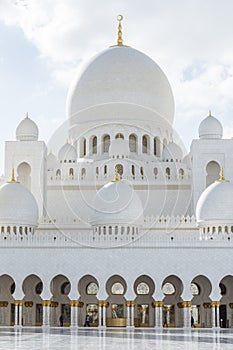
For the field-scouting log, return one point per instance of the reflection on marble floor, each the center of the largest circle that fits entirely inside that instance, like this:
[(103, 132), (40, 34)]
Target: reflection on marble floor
[(112, 339)]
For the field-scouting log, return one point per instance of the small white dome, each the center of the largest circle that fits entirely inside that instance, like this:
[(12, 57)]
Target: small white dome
[(215, 204), (67, 153), (17, 205), (210, 128), (27, 130), (172, 152), (119, 147), (117, 204), (51, 161)]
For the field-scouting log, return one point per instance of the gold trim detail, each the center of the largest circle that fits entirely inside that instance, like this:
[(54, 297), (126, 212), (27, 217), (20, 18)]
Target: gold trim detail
[(18, 302), (106, 304), (128, 303), (13, 176), (4, 303), (157, 303), (215, 303), (100, 303), (74, 303), (28, 303), (47, 302), (184, 304), (116, 179)]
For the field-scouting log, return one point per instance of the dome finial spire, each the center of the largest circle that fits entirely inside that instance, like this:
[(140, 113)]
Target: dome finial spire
[(222, 177), (119, 39), (12, 176), (210, 115), (27, 116)]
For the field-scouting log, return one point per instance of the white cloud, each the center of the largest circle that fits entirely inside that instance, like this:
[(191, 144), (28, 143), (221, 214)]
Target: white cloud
[(191, 40)]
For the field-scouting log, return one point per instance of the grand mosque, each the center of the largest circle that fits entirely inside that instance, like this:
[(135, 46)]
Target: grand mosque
[(120, 224)]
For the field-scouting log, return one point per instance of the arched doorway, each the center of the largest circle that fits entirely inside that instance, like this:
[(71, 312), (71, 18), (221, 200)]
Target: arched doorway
[(88, 288), (7, 288), (144, 288), (226, 307), (116, 312), (172, 288), (32, 301), (201, 303), (60, 306)]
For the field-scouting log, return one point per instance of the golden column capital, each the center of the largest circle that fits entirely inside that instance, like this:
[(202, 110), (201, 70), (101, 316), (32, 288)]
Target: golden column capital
[(18, 302), (157, 303), (46, 302), (74, 303), (100, 303), (132, 303), (215, 303), (184, 304), (105, 303), (128, 303)]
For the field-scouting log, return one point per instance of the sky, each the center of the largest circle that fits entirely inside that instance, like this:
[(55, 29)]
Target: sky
[(43, 43)]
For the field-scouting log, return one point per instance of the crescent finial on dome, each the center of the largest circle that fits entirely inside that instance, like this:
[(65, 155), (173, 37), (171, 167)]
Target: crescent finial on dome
[(119, 39)]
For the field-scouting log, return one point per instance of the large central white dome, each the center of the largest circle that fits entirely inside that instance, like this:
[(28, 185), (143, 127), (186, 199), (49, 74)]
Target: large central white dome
[(121, 74)]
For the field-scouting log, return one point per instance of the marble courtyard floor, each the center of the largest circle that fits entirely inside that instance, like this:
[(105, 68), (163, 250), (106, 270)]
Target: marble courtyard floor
[(115, 339)]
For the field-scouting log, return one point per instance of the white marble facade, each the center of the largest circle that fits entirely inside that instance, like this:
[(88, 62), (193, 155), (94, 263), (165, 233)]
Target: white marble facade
[(108, 226)]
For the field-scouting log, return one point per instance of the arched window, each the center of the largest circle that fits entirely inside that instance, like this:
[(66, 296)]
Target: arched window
[(71, 172), (168, 173), (168, 289), (133, 143), (119, 136), (24, 174), (117, 288), (143, 288), (97, 171), (120, 169), (83, 147), (105, 170), (92, 288), (155, 172), (181, 173), (83, 172), (145, 144), (58, 173), (133, 170), (141, 171), (106, 143), (212, 172), (94, 145)]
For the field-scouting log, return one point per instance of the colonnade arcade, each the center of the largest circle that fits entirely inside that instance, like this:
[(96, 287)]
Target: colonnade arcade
[(116, 310)]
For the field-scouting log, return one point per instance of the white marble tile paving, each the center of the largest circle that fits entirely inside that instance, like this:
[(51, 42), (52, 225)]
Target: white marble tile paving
[(115, 340)]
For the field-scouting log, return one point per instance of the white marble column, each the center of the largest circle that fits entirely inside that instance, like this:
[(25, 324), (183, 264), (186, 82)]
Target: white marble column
[(74, 313), (100, 304), (132, 313), (46, 312), (158, 305), (18, 312), (105, 305), (186, 305), (128, 303), (213, 314), (217, 313)]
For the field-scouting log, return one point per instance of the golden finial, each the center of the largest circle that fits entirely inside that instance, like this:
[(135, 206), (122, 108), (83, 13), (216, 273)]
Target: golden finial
[(119, 39), (116, 179), (222, 177), (12, 176), (27, 116), (210, 115)]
